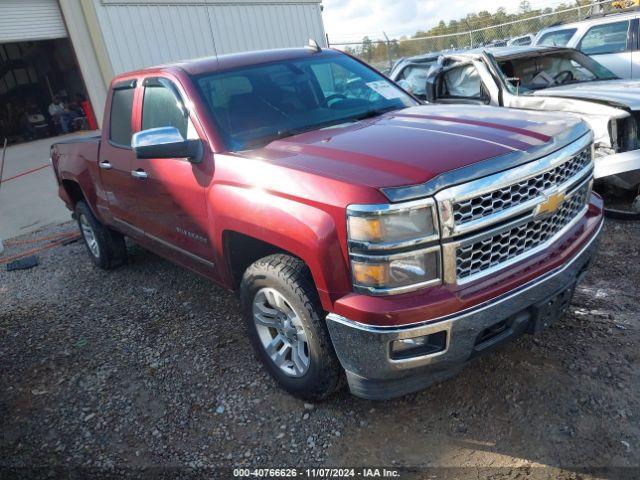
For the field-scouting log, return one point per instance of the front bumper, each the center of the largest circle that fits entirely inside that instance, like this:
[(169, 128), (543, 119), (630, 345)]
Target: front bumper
[(620, 169), (365, 351)]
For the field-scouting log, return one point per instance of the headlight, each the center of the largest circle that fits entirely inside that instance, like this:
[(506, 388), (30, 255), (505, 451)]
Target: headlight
[(396, 271), (394, 248), (392, 226)]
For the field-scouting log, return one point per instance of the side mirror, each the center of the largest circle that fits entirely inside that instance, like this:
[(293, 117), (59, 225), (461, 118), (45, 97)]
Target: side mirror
[(430, 90), (166, 142), (431, 84)]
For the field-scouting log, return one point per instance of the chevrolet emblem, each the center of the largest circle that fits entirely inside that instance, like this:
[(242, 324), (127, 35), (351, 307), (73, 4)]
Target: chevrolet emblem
[(551, 204)]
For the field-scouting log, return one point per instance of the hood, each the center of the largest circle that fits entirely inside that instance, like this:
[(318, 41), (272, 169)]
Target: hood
[(417, 144), (625, 93)]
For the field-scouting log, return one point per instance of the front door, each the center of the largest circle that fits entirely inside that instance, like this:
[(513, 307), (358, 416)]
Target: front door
[(171, 206), (462, 84)]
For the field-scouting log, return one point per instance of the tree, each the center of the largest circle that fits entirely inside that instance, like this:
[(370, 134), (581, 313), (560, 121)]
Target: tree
[(367, 48), (525, 6)]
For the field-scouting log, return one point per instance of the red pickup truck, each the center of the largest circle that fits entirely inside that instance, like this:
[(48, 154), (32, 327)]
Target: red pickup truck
[(369, 236)]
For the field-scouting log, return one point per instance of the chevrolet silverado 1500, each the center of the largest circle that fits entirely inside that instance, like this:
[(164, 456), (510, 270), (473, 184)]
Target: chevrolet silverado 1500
[(369, 236)]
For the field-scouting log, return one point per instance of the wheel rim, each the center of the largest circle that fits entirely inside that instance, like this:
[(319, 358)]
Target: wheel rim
[(89, 236), (281, 332)]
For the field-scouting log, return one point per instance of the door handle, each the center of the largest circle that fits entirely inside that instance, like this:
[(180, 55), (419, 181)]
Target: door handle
[(139, 174), (105, 165)]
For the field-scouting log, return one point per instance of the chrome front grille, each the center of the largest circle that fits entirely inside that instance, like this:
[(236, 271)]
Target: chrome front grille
[(477, 256), (490, 223), (516, 194)]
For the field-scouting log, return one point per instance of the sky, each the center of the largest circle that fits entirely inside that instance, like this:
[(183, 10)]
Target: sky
[(351, 20)]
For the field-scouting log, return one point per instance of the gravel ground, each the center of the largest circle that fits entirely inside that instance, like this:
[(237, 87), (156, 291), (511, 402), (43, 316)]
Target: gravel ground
[(148, 366)]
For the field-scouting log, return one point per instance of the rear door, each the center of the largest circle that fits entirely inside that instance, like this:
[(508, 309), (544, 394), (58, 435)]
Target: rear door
[(116, 158), (170, 192), (612, 45)]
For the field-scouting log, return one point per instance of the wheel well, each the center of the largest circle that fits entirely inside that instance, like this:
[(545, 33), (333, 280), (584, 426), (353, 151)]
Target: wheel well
[(73, 190), (242, 250)]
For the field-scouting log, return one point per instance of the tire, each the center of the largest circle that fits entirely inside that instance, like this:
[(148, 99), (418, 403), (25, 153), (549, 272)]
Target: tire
[(106, 248), (291, 279)]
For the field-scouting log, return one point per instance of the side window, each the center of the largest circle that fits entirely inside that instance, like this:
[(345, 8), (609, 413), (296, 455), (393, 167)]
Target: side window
[(120, 117), (414, 79), (609, 38), (557, 38), (521, 41), (462, 82), (160, 109)]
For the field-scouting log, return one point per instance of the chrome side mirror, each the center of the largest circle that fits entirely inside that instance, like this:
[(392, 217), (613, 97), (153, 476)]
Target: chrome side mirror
[(166, 142)]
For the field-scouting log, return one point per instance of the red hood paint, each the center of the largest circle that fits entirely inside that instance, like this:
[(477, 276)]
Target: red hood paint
[(413, 145)]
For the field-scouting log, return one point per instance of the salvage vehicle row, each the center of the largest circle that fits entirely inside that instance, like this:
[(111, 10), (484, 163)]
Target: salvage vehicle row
[(547, 79)]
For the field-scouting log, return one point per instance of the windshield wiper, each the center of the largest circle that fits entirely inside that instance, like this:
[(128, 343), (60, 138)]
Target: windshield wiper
[(374, 113), (283, 134)]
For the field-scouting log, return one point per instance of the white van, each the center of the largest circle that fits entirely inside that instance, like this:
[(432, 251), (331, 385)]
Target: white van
[(613, 40)]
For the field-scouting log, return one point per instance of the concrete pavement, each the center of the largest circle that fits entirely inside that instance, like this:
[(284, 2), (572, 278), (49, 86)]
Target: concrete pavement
[(30, 201)]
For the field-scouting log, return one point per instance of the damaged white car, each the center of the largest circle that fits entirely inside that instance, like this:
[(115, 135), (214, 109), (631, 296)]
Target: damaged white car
[(554, 79)]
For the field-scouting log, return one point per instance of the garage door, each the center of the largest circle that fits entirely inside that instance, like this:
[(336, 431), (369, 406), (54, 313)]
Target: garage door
[(23, 20)]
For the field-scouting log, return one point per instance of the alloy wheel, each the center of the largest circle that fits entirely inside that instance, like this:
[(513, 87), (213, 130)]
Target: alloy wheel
[(281, 332), (89, 236)]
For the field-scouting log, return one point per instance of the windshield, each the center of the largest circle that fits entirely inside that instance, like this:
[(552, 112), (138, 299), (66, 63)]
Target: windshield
[(523, 75), (255, 105)]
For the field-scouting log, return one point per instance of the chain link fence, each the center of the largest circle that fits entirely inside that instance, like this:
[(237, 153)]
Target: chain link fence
[(474, 31)]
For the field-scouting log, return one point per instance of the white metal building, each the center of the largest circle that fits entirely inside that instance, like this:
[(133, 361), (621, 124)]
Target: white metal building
[(97, 39)]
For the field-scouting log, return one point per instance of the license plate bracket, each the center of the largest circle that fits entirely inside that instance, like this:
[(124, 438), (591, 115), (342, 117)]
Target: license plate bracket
[(551, 309)]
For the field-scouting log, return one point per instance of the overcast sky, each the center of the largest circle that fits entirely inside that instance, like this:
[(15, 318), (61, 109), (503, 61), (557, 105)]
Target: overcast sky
[(350, 20)]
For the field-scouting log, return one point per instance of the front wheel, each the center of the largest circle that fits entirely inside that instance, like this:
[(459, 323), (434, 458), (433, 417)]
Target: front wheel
[(286, 325)]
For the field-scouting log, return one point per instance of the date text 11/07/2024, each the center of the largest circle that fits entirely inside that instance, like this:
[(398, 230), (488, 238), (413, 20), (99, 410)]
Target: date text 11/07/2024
[(316, 473)]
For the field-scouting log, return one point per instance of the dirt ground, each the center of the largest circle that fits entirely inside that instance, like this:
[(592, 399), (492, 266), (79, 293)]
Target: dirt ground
[(148, 366)]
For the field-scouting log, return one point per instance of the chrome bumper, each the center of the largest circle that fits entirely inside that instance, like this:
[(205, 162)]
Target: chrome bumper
[(365, 351), (621, 169)]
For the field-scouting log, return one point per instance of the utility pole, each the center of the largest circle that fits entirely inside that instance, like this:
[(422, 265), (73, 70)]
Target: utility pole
[(388, 50), (470, 32)]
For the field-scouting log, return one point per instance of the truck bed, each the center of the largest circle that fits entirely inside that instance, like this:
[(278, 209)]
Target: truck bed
[(76, 159)]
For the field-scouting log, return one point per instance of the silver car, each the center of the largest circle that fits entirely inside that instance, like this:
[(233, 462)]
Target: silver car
[(612, 40)]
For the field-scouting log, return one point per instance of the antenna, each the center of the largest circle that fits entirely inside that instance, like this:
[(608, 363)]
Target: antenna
[(313, 46)]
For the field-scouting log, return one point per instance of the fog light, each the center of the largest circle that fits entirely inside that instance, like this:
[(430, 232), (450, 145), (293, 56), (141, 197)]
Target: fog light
[(419, 346), (408, 344)]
